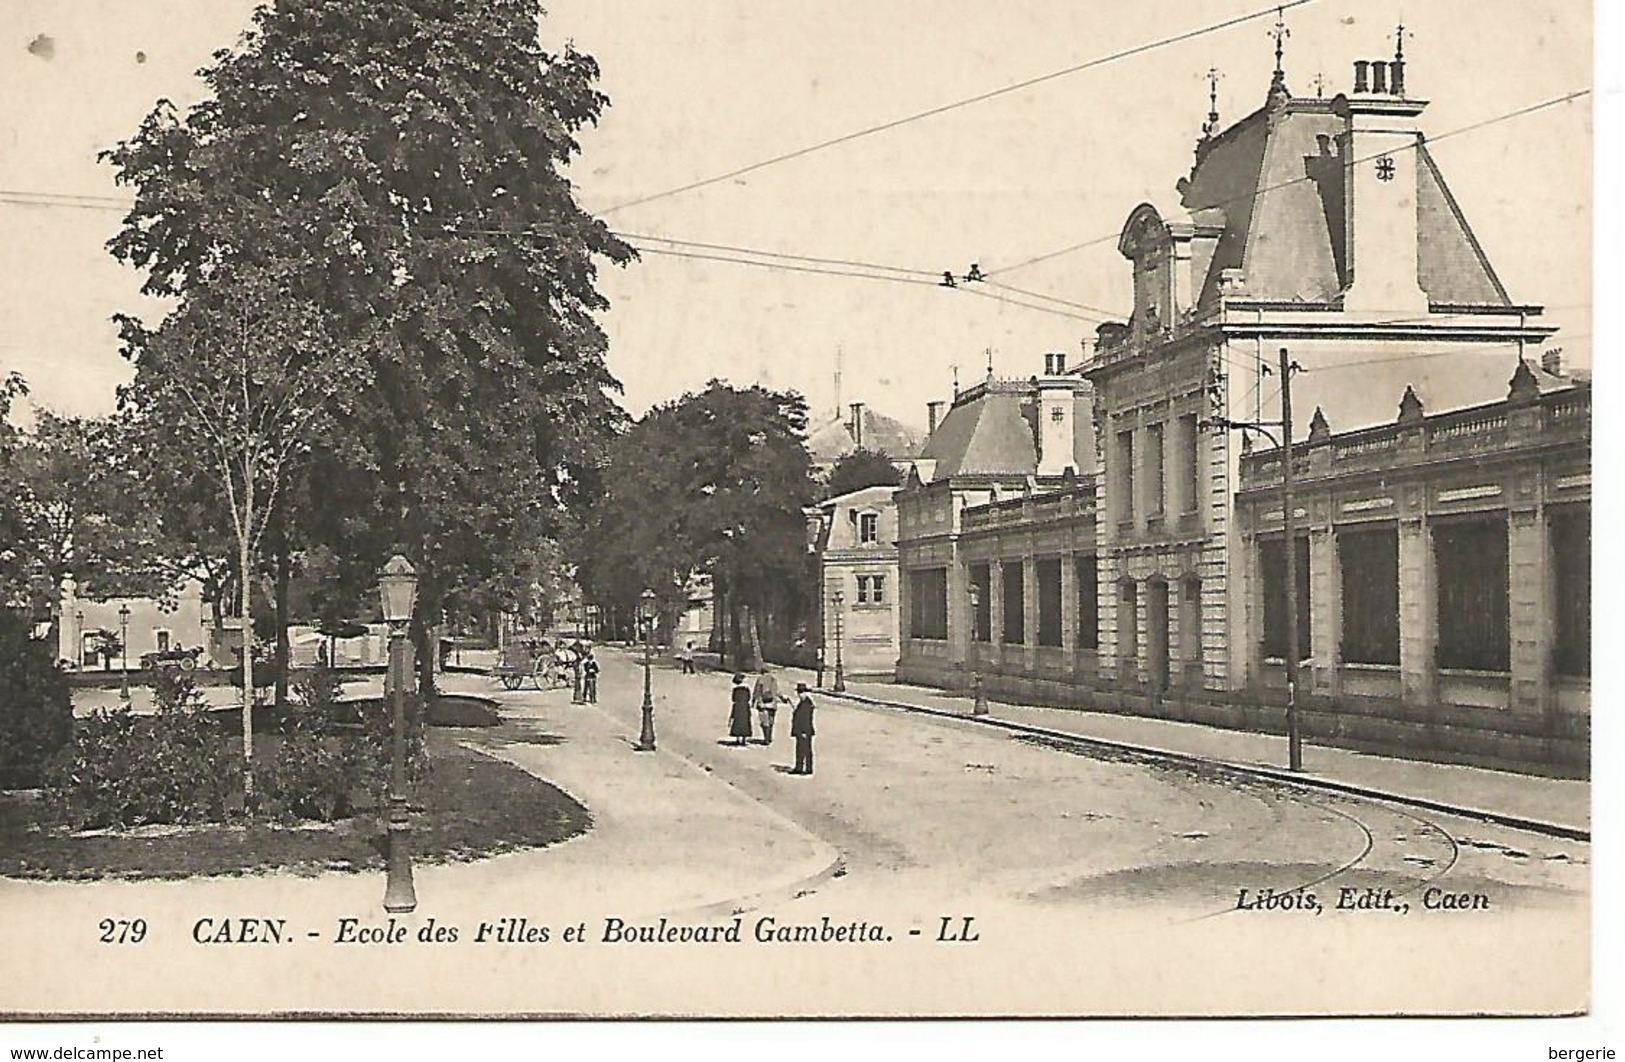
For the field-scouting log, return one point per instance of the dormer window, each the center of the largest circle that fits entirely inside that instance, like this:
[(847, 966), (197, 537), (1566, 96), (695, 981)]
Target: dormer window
[(868, 528)]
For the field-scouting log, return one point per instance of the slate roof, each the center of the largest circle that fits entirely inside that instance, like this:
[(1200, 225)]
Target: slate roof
[(992, 430), (1275, 181), (831, 440)]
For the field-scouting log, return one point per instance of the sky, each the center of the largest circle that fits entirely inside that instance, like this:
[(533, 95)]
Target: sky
[(700, 89)]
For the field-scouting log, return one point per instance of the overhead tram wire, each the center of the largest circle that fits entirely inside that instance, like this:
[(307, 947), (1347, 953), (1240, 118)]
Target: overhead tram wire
[(966, 102), (792, 268), (1247, 196)]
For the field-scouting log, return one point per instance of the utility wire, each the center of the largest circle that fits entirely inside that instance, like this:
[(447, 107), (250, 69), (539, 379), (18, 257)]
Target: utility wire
[(779, 254), (857, 275), (1246, 196), (944, 108)]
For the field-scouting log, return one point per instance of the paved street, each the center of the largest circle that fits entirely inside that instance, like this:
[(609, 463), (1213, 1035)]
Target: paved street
[(1092, 882), (919, 801)]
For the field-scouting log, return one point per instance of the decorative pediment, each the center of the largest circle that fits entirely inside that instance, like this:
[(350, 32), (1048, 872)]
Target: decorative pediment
[(1143, 232)]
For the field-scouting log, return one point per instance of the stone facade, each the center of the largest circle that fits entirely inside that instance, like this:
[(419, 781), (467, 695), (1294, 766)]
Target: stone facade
[(1293, 248), (855, 536)]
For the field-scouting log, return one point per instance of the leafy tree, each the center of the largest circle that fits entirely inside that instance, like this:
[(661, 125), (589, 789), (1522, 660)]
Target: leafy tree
[(244, 376), (83, 515), (713, 482), (14, 564), (861, 468), (36, 711), (408, 157)]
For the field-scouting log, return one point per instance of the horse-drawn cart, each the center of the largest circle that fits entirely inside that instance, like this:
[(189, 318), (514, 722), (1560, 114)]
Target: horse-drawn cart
[(534, 660)]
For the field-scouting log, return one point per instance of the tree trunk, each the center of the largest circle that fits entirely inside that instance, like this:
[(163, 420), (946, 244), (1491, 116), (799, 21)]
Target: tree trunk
[(422, 638), (247, 632), (282, 578)]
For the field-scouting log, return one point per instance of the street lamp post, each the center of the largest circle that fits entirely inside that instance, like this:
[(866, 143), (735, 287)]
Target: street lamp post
[(124, 653), (979, 706), (840, 671), (1289, 532), (398, 587), (646, 739), (79, 640)]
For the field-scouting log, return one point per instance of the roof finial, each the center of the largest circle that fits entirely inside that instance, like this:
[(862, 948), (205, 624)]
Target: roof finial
[(989, 352), (1278, 89), (1320, 85), (1211, 126), (1396, 70)]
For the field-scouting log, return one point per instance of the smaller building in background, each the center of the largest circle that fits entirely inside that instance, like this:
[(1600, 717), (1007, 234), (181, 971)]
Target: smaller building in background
[(855, 537), (151, 626), (861, 428)]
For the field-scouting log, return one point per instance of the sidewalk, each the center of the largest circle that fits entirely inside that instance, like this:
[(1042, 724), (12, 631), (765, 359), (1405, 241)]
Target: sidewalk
[(667, 839), (1475, 791)]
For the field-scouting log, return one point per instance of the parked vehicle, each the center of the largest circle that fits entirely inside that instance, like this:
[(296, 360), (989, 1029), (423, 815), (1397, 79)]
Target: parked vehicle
[(184, 659)]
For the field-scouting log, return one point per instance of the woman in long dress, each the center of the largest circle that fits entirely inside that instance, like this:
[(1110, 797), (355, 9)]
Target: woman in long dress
[(739, 715)]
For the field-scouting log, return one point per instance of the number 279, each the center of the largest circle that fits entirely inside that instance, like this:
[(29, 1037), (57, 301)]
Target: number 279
[(122, 930)]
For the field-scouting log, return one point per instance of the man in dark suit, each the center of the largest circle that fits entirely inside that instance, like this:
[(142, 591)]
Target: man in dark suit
[(801, 728)]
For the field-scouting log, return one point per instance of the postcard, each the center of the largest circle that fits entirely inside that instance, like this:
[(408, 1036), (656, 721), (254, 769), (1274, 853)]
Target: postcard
[(741, 510)]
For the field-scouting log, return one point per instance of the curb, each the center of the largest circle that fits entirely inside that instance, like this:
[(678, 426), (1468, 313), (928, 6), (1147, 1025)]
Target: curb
[(786, 890), (1300, 781)]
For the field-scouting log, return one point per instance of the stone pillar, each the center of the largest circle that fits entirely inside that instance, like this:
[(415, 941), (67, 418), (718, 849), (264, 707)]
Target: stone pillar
[(1418, 612), (995, 605), (961, 619), (1325, 609), (1069, 607), (1029, 613), (1530, 611)]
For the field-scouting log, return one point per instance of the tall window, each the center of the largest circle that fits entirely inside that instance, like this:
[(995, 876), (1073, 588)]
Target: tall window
[(1088, 602), (1470, 564), (928, 603), (871, 589), (1272, 567), (1369, 559), (1190, 621), (1128, 621), (868, 527), (1155, 487), (1571, 561), (1191, 437), (1125, 477), (981, 581), (1015, 619), (1049, 601)]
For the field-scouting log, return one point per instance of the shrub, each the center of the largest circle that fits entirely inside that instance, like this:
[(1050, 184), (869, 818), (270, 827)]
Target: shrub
[(124, 769), (377, 724), (36, 707), (318, 763)]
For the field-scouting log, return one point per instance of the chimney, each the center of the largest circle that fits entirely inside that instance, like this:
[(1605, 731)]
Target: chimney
[(1055, 363), (1057, 404), (1379, 78), (1551, 361), (857, 425), (933, 411), (1380, 147), (1396, 77)]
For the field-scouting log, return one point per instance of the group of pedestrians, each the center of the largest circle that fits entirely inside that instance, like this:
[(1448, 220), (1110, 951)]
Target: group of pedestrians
[(577, 658), (765, 699)]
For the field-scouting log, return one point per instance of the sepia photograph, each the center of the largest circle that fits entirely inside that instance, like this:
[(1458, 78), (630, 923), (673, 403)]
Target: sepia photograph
[(751, 510)]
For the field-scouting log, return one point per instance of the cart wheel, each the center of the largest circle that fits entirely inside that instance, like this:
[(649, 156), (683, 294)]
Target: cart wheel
[(188, 663), (510, 681), (539, 674)]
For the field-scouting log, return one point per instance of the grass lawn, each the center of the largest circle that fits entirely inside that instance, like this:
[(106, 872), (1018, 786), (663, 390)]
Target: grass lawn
[(473, 806)]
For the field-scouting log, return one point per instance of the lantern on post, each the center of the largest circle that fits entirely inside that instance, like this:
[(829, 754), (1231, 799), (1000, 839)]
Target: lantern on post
[(398, 589)]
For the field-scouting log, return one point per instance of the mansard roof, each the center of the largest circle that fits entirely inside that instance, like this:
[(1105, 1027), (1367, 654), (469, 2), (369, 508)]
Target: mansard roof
[(984, 434), (832, 439), (1274, 180)]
